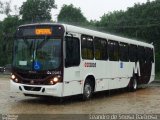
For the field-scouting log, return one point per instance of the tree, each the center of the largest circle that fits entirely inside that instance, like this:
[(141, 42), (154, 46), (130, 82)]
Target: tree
[(139, 22), (5, 8), (8, 28), (1, 7), (72, 15), (37, 10)]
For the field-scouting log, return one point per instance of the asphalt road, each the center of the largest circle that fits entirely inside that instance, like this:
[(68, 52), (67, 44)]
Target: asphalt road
[(143, 101)]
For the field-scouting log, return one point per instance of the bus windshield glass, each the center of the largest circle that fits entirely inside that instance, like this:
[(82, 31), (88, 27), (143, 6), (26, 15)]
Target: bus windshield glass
[(37, 54)]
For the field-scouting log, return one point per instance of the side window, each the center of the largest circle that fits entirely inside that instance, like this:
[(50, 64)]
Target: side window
[(123, 50), (152, 55), (87, 47), (149, 55), (113, 50), (100, 46), (72, 52), (141, 54), (133, 53)]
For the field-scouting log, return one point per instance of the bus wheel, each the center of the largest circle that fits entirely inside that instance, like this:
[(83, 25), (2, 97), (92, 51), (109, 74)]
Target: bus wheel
[(87, 90), (134, 84)]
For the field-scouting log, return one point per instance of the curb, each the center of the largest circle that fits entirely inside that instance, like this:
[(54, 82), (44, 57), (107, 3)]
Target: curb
[(156, 81)]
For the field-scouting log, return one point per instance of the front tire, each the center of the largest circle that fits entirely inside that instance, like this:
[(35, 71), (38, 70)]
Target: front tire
[(87, 90)]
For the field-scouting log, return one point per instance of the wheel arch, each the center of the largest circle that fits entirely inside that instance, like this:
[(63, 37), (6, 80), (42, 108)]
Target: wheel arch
[(130, 84), (91, 79)]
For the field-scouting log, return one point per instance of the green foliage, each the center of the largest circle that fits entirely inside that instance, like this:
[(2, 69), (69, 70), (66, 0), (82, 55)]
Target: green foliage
[(8, 27), (37, 10), (1, 7), (141, 22), (5, 8), (157, 62), (72, 15), (31, 11), (157, 76)]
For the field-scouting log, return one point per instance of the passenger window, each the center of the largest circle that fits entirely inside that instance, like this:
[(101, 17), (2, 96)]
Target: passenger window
[(113, 50), (87, 47), (141, 54), (72, 52), (100, 47), (133, 53), (152, 55), (149, 55), (124, 52)]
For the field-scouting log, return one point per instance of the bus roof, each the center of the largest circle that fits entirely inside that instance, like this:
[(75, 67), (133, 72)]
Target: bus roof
[(74, 29), (85, 31)]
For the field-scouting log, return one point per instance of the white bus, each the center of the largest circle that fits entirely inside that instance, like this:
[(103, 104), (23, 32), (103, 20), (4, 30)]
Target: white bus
[(63, 60)]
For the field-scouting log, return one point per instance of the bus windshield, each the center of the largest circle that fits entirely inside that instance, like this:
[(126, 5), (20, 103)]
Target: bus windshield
[(37, 54)]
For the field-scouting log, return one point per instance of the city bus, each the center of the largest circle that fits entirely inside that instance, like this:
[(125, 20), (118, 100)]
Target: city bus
[(62, 60)]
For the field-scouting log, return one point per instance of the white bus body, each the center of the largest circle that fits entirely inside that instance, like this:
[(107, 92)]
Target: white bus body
[(104, 74)]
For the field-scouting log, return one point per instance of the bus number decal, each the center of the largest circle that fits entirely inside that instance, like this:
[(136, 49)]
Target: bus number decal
[(54, 72), (87, 64), (121, 64)]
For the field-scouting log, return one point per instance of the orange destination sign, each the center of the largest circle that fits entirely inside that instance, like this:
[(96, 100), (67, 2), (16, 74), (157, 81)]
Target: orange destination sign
[(43, 31)]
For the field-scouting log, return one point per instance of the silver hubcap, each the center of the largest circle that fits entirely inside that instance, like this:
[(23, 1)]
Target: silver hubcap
[(87, 90), (135, 84)]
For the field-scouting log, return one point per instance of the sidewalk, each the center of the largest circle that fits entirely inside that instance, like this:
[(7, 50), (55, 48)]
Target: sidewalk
[(156, 81)]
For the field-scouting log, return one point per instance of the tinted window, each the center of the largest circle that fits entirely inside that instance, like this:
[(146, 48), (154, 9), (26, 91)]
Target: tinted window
[(152, 55), (149, 55), (123, 50), (37, 54), (113, 50), (141, 54), (133, 53), (87, 47), (100, 46), (72, 52)]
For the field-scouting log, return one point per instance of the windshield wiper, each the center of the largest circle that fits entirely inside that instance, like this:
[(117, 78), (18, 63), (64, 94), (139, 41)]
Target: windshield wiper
[(29, 45), (41, 44)]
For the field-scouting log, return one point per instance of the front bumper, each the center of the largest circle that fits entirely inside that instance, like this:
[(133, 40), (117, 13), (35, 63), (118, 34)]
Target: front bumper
[(44, 90)]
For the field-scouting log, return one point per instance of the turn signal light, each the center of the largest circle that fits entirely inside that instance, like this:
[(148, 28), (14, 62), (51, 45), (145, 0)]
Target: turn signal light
[(51, 82), (16, 80)]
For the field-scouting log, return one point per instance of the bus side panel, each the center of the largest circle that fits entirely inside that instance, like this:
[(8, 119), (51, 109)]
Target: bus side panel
[(113, 74), (72, 81), (119, 74), (152, 78), (125, 72), (89, 68), (100, 74)]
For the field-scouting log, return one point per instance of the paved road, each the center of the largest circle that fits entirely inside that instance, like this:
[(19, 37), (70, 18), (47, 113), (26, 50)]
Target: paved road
[(145, 100)]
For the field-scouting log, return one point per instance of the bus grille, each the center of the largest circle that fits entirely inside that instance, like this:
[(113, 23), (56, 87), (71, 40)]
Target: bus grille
[(32, 88), (33, 76)]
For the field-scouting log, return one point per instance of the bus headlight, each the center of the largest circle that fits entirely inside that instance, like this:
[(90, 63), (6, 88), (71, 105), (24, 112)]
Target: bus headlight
[(54, 80), (13, 76)]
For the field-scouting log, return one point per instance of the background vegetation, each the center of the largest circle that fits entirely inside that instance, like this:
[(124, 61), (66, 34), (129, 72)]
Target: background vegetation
[(141, 22)]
